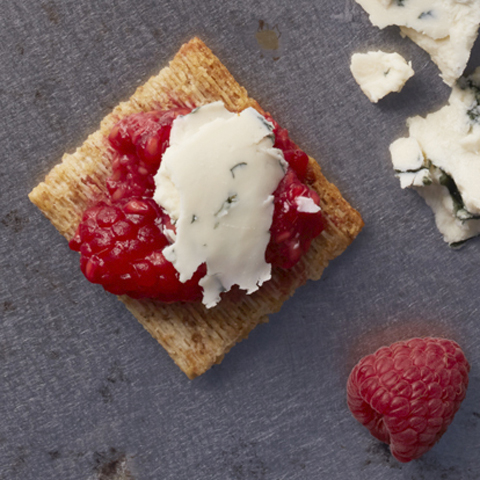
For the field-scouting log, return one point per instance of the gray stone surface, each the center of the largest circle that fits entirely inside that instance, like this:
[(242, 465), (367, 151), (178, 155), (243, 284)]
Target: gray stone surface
[(85, 392)]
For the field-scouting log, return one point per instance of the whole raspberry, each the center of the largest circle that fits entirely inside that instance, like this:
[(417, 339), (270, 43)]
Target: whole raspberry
[(408, 393)]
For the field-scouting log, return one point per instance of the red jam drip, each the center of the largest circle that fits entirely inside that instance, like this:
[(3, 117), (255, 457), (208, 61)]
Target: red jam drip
[(121, 238)]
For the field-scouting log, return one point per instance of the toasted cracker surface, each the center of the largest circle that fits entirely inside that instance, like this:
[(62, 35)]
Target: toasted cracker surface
[(195, 337)]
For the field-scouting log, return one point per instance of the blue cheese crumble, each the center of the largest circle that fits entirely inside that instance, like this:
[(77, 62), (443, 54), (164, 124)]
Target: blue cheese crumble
[(441, 160), (380, 73), (445, 29)]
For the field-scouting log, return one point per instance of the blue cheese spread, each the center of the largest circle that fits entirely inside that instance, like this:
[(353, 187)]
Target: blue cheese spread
[(380, 73), (445, 29), (216, 181), (441, 160)]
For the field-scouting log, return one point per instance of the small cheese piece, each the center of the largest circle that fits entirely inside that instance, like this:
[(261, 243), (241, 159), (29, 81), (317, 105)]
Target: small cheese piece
[(408, 162), (445, 29), (380, 73), (216, 181), (407, 156), (454, 230), (441, 159), (307, 205)]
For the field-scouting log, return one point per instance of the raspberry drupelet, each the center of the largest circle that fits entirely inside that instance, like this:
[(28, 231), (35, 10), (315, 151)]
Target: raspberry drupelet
[(121, 238)]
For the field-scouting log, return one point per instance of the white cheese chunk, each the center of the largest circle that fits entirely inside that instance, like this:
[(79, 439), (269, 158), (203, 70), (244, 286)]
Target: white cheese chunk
[(446, 29), (453, 229), (306, 205), (430, 17), (441, 158), (408, 162), (406, 154), (380, 73), (216, 181)]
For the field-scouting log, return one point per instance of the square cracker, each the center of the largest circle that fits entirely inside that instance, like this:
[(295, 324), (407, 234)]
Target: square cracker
[(195, 338)]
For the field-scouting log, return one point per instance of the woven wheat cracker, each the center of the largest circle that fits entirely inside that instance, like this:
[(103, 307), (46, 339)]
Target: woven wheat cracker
[(195, 338)]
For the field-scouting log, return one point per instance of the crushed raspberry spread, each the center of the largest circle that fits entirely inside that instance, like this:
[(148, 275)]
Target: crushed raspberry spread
[(121, 238)]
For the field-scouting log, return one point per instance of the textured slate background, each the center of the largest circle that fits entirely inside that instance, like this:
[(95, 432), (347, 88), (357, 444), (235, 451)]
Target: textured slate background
[(85, 392)]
